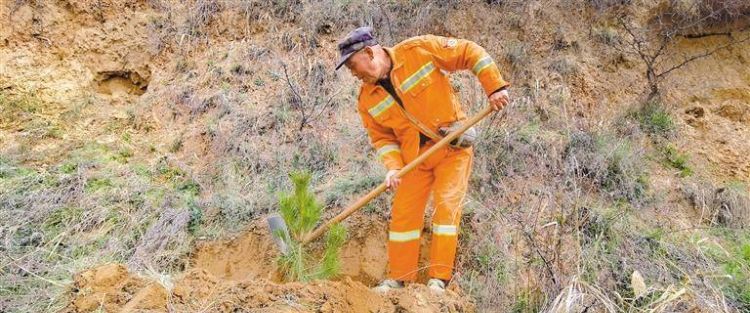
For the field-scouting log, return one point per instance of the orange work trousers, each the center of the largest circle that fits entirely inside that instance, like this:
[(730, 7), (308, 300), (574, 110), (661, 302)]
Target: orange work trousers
[(446, 175)]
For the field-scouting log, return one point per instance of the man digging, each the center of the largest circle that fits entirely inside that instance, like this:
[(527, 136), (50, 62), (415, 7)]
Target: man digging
[(406, 103)]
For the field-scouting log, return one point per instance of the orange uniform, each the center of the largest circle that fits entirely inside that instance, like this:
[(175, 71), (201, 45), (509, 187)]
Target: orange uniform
[(420, 78)]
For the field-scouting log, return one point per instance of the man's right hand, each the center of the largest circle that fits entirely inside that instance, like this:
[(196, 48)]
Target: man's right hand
[(499, 99), (391, 181)]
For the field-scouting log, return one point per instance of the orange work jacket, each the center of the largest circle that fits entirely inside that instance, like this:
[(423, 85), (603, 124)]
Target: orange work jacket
[(421, 66)]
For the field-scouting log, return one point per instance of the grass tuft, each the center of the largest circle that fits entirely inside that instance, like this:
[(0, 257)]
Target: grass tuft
[(655, 120), (677, 160)]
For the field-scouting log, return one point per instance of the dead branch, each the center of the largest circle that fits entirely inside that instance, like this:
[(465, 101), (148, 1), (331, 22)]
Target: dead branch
[(652, 44), (700, 56)]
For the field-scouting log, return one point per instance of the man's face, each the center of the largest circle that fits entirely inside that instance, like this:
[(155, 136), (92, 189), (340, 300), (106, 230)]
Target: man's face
[(363, 66)]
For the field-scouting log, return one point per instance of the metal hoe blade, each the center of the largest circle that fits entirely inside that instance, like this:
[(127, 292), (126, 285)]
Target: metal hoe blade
[(279, 232)]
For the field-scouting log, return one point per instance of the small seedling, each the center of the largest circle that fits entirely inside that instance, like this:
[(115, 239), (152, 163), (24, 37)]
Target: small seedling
[(301, 212)]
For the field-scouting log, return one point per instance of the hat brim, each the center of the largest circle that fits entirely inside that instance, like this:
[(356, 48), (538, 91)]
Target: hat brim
[(343, 59)]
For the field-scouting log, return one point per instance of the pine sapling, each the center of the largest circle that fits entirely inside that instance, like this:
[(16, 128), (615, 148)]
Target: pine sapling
[(302, 212)]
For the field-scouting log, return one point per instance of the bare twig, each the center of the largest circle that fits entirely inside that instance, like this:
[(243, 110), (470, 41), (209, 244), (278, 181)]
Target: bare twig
[(310, 104)]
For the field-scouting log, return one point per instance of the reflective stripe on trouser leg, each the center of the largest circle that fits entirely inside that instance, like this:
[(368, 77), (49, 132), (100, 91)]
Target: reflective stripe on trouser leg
[(407, 220), (449, 189)]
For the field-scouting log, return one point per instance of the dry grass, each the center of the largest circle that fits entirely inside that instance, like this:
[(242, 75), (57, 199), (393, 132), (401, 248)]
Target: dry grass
[(610, 162)]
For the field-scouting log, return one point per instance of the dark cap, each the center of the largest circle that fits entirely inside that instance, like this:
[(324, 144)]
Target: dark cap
[(353, 42)]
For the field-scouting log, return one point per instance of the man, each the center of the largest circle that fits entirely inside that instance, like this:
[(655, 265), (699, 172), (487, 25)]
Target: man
[(405, 101)]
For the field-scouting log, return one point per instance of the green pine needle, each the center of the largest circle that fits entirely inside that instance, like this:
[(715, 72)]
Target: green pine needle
[(302, 212)]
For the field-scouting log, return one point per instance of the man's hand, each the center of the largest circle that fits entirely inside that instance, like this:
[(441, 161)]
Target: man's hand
[(499, 99), (391, 181)]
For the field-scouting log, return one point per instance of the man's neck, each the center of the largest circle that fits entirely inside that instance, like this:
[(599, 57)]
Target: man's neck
[(388, 65)]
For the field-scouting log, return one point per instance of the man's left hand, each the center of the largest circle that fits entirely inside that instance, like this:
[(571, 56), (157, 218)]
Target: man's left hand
[(499, 99)]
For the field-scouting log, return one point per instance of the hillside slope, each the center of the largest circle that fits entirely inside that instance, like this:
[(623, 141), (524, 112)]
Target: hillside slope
[(143, 142)]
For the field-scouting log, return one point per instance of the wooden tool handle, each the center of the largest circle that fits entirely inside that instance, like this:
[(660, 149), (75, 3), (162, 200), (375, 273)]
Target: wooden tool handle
[(382, 187)]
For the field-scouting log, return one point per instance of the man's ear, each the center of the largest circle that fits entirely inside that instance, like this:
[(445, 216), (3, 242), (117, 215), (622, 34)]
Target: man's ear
[(370, 52)]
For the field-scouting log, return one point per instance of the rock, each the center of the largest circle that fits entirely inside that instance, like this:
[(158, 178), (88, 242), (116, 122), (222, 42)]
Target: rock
[(637, 284)]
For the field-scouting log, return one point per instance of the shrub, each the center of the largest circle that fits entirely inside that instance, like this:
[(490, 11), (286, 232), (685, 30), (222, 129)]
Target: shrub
[(309, 93), (728, 205), (732, 204), (607, 35), (516, 54), (564, 65), (344, 187), (200, 15)]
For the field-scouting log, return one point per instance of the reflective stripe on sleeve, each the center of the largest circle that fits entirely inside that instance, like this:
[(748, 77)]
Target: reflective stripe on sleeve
[(482, 64), (388, 149)]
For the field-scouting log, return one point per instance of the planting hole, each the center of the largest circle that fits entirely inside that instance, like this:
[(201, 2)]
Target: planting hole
[(118, 83)]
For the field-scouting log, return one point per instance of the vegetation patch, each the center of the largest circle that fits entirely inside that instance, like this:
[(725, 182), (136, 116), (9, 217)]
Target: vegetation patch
[(677, 160), (18, 107)]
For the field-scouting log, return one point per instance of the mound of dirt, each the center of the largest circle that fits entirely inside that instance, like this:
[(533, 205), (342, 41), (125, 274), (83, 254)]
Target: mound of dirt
[(111, 288), (240, 274), (252, 254)]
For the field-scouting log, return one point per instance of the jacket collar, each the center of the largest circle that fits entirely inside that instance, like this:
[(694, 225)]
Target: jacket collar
[(397, 62)]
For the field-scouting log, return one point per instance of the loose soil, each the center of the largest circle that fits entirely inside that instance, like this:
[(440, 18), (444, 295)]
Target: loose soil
[(240, 274)]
